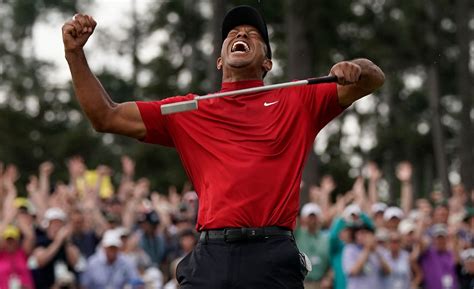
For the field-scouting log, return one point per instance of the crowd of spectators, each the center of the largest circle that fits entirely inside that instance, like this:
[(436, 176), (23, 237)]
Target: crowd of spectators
[(90, 234)]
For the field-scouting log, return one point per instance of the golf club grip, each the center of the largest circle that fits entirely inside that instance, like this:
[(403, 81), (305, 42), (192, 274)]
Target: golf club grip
[(324, 79)]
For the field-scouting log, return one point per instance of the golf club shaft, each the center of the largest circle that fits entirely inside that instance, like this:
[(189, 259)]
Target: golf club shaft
[(193, 104)]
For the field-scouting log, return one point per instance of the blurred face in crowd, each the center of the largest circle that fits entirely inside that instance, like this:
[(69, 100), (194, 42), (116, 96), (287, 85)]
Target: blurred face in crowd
[(346, 235), (11, 245), (54, 227), (436, 197), (392, 224), (470, 223), (77, 221), (440, 243), (361, 236), (394, 242), (111, 253), (114, 206), (440, 215), (312, 222), (408, 239), (378, 219), (187, 243), (469, 265), (424, 206), (148, 228)]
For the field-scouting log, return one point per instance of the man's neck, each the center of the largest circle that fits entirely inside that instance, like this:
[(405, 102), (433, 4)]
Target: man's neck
[(241, 74)]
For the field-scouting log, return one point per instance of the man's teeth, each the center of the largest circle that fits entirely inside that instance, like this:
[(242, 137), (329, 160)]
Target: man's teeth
[(240, 46)]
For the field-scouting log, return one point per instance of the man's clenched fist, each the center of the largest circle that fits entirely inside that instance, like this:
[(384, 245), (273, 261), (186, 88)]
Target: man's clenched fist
[(77, 31), (347, 72)]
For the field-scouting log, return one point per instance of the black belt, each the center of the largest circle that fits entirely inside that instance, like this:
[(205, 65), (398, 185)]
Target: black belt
[(243, 234)]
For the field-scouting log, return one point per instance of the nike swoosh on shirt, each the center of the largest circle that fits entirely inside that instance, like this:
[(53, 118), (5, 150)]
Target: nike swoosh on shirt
[(270, 103)]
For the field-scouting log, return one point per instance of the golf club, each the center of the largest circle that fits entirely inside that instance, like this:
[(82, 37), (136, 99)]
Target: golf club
[(193, 104)]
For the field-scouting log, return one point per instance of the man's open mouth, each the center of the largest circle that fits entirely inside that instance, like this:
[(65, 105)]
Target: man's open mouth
[(240, 47)]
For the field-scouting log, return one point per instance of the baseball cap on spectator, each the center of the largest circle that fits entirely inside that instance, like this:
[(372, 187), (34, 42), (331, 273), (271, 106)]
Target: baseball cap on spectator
[(122, 231), (357, 226), (393, 212), (406, 226), (55, 214), (351, 211), (467, 255), (415, 215), (11, 232), (310, 209), (111, 238), (382, 234), (378, 208), (439, 230), (25, 205)]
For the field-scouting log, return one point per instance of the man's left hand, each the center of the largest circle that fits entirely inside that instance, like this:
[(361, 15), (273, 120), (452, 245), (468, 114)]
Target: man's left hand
[(347, 72)]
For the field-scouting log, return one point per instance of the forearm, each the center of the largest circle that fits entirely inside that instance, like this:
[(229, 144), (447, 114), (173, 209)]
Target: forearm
[(92, 97), (373, 194), (72, 254), (45, 255), (407, 197), (44, 185), (359, 265), (385, 267)]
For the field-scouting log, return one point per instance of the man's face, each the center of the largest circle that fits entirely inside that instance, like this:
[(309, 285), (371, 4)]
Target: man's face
[(243, 48), (111, 253)]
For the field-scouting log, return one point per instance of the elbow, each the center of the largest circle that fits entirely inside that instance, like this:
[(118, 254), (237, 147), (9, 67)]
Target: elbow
[(99, 127), (381, 78)]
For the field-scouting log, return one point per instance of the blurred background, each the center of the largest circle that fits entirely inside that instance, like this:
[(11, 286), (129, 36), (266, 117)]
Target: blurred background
[(147, 50)]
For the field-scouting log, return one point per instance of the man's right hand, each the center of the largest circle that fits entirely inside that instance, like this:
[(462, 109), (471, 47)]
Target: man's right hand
[(77, 31)]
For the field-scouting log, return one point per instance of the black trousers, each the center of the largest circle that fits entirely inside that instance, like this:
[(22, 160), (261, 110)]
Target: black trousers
[(251, 264)]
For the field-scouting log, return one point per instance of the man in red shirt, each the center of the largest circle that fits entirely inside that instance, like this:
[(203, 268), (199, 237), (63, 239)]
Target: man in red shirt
[(244, 154)]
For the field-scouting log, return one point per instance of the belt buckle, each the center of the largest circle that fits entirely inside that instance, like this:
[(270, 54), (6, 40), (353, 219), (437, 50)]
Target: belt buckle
[(253, 233), (230, 240)]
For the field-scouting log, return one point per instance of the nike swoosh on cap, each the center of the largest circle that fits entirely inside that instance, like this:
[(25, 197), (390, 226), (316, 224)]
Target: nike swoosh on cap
[(270, 103)]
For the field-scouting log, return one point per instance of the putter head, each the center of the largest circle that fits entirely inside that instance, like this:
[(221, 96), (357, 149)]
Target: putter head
[(181, 106)]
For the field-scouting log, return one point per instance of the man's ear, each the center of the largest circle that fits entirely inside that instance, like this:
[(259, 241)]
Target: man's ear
[(219, 63), (267, 65)]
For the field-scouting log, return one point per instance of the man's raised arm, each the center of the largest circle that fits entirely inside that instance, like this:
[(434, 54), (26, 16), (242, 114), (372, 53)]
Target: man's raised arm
[(104, 114)]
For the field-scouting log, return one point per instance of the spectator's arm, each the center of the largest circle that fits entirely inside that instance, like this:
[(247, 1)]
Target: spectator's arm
[(72, 254), (417, 277), (26, 227), (360, 194), (404, 174), (34, 195), (374, 177), (386, 270), (126, 182), (44, 255), (45, 171), (353, 262), (85, 278)]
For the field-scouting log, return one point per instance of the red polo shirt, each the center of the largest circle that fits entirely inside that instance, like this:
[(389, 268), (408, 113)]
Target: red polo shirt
[(245, 154)]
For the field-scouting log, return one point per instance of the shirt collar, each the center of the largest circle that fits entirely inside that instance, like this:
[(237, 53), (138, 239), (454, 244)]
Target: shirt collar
[(229, 86)]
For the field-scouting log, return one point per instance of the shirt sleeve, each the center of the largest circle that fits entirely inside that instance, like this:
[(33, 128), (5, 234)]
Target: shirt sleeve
[(158, 125), (323, 103)]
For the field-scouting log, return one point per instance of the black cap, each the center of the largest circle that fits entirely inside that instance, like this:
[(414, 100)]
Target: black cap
[(246, 15), (149, 217)]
